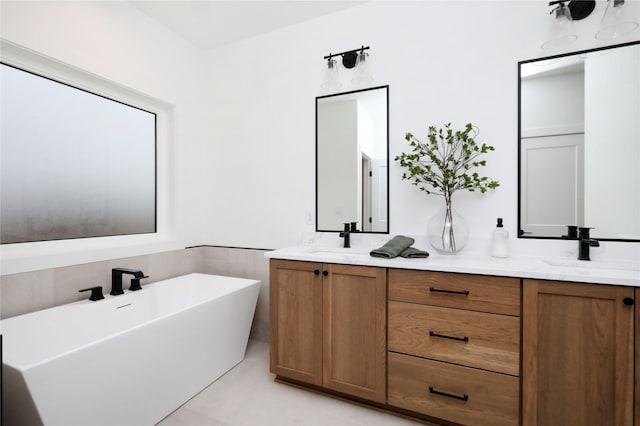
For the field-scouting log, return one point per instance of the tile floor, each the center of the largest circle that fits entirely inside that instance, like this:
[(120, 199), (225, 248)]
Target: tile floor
[(248, 396)]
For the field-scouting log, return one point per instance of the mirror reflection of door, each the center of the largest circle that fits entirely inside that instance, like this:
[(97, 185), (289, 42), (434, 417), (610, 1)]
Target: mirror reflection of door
[(367, 176), (580, 144), (553, 183)]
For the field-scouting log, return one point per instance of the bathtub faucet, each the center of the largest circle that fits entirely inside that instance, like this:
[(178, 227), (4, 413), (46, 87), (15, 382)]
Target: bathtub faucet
[(116, 280)]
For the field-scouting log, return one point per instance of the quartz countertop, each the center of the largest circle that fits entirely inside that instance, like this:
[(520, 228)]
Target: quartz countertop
[(546, 268)]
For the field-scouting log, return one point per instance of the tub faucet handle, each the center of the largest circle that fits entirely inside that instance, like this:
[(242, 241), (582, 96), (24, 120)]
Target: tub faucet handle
[(135, 283), (96, 292)]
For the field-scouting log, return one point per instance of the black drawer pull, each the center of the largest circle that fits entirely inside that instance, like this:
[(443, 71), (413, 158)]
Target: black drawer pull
[(464, 397), (316, 272), (439, 290), (444, 336)]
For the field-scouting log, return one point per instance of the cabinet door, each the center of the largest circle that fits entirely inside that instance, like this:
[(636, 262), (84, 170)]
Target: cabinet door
[(577, 354), (637, 404), (355, 331), (296, 320)]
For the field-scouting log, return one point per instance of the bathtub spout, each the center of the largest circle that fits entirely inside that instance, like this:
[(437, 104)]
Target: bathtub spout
[(116, 279)]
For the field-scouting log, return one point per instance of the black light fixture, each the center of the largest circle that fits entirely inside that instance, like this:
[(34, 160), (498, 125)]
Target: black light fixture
[(580, 9), (350, 59), (614, 22)]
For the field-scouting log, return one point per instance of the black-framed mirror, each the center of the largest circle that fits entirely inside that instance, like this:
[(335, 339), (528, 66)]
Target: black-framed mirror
[(352, 160), (579, 143)]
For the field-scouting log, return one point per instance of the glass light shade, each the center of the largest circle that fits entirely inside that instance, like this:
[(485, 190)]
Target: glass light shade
[(615, 23), (361, 76), (562, 32), (331, 83)]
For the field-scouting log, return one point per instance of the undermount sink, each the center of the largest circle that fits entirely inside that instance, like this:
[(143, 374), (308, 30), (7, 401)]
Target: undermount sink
[(339, 251), (593, 264)]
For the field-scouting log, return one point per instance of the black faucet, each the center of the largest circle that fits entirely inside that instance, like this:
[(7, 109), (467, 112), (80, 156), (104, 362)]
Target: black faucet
[(347, 235), (572, 233), (116, 280), (584, 242)]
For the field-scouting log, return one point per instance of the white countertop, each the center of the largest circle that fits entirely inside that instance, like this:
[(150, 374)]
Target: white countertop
[(552, 268)]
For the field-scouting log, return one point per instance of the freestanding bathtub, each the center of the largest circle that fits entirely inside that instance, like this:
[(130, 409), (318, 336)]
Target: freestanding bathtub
[(125, 360)]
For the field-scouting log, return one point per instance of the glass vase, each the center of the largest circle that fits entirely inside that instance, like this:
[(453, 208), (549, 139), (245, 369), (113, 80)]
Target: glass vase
[(447, 231)]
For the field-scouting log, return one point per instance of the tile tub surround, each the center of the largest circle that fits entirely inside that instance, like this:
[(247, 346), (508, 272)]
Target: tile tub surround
[(32, 291)]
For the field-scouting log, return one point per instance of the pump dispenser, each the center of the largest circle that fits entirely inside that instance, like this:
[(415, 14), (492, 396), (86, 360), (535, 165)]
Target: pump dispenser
[(500, 243)]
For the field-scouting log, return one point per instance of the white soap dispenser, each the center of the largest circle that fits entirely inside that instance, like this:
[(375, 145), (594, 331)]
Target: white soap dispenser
[(500, 243)]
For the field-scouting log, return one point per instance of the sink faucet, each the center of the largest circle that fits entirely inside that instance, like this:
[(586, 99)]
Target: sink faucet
[(116, 280), (347, 235), (584, 242)]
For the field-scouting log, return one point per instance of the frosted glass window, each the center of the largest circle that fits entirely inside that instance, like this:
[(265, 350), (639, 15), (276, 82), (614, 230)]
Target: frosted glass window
[(73, 164)]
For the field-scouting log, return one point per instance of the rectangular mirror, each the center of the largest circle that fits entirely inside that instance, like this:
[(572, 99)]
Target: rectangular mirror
[(579, 144), (352, 160)]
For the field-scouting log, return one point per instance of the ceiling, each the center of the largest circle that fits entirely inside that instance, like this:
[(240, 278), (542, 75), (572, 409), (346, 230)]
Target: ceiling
[(212, 23)]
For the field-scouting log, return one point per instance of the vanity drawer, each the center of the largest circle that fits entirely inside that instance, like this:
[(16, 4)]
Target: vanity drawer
[(474, 339), (451, 392), (500, 295)]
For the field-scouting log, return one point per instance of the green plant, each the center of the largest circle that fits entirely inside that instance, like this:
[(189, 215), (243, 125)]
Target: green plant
[(445, 164)]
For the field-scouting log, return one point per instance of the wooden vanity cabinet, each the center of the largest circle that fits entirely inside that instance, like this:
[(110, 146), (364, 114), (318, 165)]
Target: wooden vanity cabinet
[(296, 320), (578, 354), (637, 362), (329, 326), (454, 346)]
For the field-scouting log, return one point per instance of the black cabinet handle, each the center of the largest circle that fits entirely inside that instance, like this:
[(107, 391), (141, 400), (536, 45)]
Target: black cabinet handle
[(325, 273), (316, 272), (464, 397), (628, 301), (444, 336), (438, 290)]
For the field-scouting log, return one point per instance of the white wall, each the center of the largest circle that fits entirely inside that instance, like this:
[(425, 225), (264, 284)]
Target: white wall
[(244, 114), (115, 41), (564, 115), (612, 145), (337, 128), (444, 61)]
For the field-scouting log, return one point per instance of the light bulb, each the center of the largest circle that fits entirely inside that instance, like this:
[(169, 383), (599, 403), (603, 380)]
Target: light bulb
[(361, 75), (331, 83), (562, 32), (615, 23)]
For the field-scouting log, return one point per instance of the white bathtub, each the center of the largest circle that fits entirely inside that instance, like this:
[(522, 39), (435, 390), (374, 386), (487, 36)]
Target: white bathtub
[(125, 360)]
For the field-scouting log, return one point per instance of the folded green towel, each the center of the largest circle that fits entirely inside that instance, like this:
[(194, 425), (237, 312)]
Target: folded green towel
[(393, 247), (414, 253)]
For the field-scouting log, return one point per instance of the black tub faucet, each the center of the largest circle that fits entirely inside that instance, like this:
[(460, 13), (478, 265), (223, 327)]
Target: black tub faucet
[(116, 280), (584, 243)]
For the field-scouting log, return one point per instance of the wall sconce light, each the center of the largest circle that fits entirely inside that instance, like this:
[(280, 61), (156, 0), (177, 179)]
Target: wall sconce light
[(331, 83), (361, 76), (614, 22), (356, 58), (562, 32)]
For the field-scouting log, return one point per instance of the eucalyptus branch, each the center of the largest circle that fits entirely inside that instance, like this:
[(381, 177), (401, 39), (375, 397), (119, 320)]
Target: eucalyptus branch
[(446, 162)]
